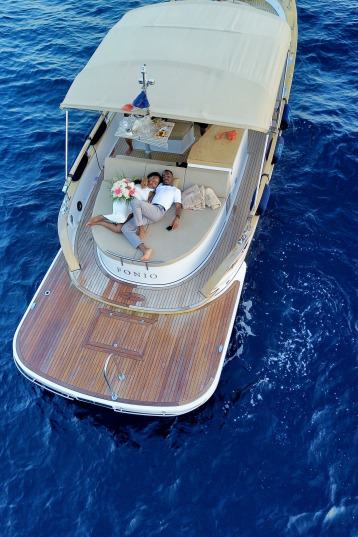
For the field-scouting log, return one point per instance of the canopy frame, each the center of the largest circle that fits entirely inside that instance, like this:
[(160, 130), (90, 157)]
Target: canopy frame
[(231, 81)]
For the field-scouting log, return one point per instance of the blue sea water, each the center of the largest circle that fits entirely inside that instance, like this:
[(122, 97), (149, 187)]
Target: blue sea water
[(274, 451)]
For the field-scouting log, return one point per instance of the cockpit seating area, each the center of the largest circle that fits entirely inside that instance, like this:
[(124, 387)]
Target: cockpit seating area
[(194, 227)]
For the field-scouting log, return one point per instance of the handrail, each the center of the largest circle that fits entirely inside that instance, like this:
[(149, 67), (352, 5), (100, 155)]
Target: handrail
[(283, 97), (120, 256), (114, 396)]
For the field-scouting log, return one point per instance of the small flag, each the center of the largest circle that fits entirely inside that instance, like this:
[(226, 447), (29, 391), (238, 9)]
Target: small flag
[(141, 100)]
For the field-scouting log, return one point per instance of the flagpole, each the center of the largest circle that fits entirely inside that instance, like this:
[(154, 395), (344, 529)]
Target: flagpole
[(145, 83)]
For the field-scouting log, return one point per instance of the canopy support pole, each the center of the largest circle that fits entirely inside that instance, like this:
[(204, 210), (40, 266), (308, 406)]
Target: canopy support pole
[(66, 185), (145, 83)]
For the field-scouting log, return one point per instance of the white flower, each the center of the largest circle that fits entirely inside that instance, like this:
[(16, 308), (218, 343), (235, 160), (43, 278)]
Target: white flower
[(122, 189)]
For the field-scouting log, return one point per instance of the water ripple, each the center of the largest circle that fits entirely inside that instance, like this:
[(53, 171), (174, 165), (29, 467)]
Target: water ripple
[(274, 451)]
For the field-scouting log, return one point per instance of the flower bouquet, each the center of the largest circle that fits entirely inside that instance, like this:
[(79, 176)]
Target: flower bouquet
[(122, 189), (122, 192)]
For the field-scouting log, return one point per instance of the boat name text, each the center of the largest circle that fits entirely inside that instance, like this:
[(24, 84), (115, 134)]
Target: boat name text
[(137, 274)]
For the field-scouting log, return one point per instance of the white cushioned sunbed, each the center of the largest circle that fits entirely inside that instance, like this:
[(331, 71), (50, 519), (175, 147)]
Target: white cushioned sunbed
[(168, 246)]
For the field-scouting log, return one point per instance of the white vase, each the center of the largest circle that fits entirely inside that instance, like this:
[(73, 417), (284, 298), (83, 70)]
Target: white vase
[(121, 211)]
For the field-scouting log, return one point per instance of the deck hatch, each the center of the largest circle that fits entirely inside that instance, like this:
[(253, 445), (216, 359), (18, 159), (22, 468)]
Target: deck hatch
[(121, 334)]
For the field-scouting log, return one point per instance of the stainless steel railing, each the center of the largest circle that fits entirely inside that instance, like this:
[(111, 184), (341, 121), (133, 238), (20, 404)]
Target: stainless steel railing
[(114, 396)]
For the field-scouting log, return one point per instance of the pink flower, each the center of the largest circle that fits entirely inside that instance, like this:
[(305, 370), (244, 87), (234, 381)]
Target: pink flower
[(122, 189)]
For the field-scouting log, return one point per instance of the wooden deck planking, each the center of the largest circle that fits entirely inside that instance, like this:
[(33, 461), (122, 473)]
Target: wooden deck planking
[(71, 349), (182, 377), (192, 368), (42, 316), (172, 343), (182, 335), (163, 346), (202, 350)]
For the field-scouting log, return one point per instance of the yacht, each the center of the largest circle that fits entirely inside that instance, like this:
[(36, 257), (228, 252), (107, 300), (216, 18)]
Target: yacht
[(199, 88)]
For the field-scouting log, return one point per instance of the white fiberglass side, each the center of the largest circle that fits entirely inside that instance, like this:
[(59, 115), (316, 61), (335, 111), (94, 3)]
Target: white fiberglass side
[(168, 274), (89, 179)]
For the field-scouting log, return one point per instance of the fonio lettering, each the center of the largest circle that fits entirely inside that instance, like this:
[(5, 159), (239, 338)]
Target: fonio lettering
[(137, 274)]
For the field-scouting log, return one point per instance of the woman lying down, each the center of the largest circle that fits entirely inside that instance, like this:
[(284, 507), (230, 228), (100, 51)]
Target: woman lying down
[(143, 191)]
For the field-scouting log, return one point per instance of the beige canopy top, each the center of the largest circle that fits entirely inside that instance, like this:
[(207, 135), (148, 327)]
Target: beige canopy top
[(213, 62)]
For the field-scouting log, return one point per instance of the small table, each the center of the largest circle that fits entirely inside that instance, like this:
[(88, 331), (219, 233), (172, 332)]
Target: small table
[(145, 131), (168, 137)]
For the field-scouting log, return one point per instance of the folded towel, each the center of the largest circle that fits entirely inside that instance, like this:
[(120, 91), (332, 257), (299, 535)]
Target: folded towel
[(192, 198), (211, 199)]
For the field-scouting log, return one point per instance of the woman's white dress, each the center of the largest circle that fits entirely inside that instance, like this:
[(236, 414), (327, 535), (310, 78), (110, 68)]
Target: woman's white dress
[(122, 209)]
